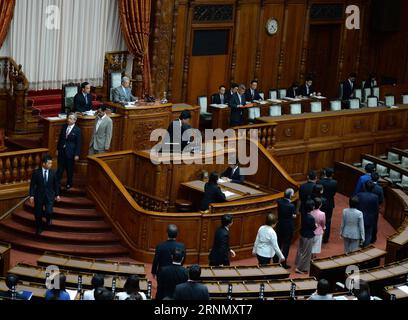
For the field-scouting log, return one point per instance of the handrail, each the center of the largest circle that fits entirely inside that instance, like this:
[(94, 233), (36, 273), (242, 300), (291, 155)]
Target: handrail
[(15, 74), (10, 211)]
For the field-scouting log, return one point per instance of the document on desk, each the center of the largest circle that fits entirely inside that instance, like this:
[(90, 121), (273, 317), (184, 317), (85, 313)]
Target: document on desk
[(263, 102), (293, 99), (275, 100), (319, 97), (404, 289), (220, 106), (229, 194)]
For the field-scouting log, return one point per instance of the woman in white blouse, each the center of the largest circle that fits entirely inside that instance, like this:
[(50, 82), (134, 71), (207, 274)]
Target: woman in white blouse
[(266, 243)]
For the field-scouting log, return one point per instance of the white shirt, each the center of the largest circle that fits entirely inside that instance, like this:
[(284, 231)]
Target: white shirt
[(89, 295), (69, 129), (47, 173), (124, 295), (98, 123), (233, 171), (266, 243), (240, 99), (125, 91)]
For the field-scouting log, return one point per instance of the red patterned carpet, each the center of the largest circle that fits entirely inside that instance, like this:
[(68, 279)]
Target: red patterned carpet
[(334, 247)]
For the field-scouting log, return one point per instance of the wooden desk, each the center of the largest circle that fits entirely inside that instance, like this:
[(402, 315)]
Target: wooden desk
[(399, 291), (37, 289), (397, 244), (318, 140), (274, 271), (5, 250), (333, 268)]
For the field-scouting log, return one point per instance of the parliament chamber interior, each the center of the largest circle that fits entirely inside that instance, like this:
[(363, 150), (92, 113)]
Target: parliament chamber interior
[(204, 150)]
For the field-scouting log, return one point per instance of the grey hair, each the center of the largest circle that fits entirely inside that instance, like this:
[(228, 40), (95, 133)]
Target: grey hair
[(72, 114), (289, 193), (242, 86), (124, 79)]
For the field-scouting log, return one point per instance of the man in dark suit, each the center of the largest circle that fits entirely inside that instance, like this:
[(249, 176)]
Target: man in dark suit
[(162, 256), (348, 86), (83, 99), (220, 252), (44, 189), (220, 97), (237, 101), (329, 192), (174, 141), (192, 289), (306, 190), (286, 227), (171, 276), (232, 91), (378, 190), (307, 89), (293, 91), (68, 149), (212, 192), (11, 282), (252, 93), (368, 205), (233, 174)]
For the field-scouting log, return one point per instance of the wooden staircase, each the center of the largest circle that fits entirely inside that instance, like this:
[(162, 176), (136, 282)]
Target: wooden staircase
[(77, 229)]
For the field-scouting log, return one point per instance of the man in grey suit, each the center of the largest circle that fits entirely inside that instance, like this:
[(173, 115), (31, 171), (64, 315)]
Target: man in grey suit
[(102, 134), (123, 94)]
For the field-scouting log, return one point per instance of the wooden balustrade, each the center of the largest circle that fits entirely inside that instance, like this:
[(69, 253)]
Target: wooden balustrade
[(266, 133), (17, 167), (148, 202)]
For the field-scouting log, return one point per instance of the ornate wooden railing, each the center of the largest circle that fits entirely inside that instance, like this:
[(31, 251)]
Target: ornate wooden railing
[(148, 202), (265, 133), (17, 167)]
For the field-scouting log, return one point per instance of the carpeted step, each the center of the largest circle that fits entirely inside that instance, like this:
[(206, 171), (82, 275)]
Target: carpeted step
[(46, 100), (40, 93), (74, 202), (27, 218), (68, 213), (59, 237), (41, 246), (73, 192)]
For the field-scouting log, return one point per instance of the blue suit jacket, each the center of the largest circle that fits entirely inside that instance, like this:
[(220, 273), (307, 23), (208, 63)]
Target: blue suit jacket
[(369, 206), (361, 183)]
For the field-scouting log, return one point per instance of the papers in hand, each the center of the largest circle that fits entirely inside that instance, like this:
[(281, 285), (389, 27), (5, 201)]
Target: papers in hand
[(221, 106), (229, 194)]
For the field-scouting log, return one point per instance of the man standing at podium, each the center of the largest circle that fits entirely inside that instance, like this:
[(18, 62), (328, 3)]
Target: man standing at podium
[(237, 102), (123, 94)]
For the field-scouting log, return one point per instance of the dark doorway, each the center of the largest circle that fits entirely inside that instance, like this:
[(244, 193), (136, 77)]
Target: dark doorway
[(323, 57)]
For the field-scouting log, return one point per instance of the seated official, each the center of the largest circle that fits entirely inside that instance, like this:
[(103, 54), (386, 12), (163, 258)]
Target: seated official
[(212, 192), (349, 86), (132, 290), (97, 281), (236, 103), (322, 293), (11, 282), (233, 174), (232, 91), (371, 82), (192, 289), (307, 89), (83, 100), (58, 293), (174, 140), (293, 91), (220, 97), (252, 93), (123, 94)]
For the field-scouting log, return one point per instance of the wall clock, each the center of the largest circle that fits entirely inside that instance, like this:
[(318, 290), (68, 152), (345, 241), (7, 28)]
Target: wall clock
[(272, 26)]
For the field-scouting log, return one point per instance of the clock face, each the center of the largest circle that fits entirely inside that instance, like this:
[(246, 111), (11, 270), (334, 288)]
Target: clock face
[(272, 26)]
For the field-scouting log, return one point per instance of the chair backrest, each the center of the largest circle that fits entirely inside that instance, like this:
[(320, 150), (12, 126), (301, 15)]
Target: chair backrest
[(376, 92), (404, 180), (367, 93), (365, 162), (395, 175), (358, 93), (389, 100), (354, 103), (295, 108), (335, 105), (254, 113), (203, 102), (393, 157), (69, 91), (115, 81), (404, 162), (405, 98), (316, 106), (275, 111), (382, 170), (372, 102), (273, 94), (262, 95), (282, 93)]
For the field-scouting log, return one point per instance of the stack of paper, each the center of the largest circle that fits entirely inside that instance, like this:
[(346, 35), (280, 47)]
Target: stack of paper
[(221, 106), (404, 289), (229, 194), (275, 100)]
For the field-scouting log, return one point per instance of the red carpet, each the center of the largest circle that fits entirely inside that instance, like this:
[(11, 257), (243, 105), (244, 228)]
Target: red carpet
[(334, 247), (46, 103)]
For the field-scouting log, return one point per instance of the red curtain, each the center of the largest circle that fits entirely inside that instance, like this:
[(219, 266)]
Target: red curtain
[(135, 22), (6, 15)]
